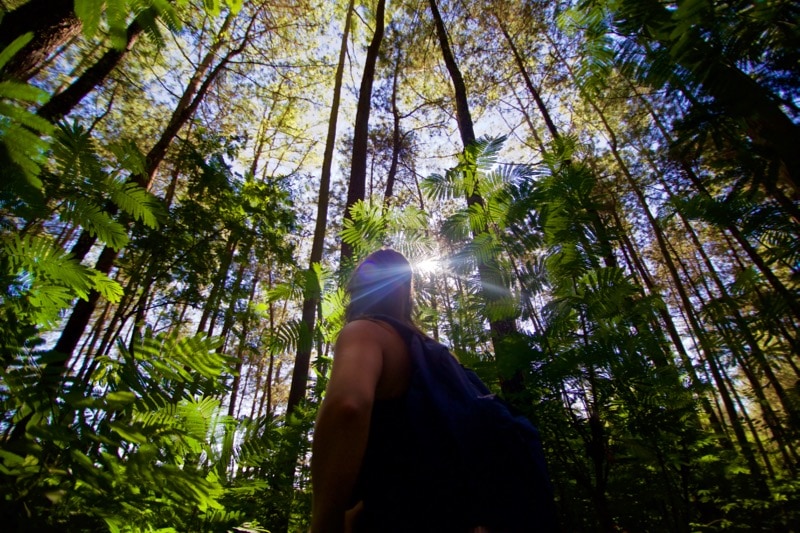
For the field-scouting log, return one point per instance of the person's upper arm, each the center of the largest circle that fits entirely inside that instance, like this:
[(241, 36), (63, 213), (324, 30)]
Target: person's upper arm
[(357, 366)]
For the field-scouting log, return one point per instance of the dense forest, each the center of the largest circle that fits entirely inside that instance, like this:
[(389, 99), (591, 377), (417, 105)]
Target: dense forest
[(601, 200)]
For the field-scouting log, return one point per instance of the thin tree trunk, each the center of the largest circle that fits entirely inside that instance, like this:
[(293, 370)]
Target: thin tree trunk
[(358, 166), (397, 139), (237, 378), (311, 294), (551, 127), (493, 287)]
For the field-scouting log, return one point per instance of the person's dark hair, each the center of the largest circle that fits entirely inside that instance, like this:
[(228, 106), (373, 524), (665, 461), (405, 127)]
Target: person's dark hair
[(381, 285)]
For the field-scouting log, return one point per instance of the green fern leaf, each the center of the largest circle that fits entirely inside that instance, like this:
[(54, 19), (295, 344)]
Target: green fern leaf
[(75, 152), (22, 92), (366, 229), (485, 151), (167, 13), (117, 20), (16, 45), (129, 157), (456, 228), (477, 218), (89, 12), (438, 187), (47, 263), (96, 221), (137, 202), (108, 288)]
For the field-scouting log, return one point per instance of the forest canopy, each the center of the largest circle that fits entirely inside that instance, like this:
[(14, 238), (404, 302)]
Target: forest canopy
[(601, 201)]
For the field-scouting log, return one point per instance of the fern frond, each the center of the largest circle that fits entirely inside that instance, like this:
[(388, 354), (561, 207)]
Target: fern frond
[(129, 157), (477, 218), (438, 187), (22, 92), (96, 221), (366, 229), (16, 45), (456, 228), (89, 12), (137, 202), (197, 415), (107, 287), (168, 14), (56, 276), (75, 153), (483, 152), (287, 336), (287, 290)]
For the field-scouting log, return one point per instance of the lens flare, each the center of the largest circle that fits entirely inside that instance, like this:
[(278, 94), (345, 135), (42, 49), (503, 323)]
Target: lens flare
[(429, 266)]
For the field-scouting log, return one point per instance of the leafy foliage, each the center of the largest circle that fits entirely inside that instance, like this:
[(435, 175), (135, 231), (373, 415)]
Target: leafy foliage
[(128, 451), (667, 398), (23, 142)]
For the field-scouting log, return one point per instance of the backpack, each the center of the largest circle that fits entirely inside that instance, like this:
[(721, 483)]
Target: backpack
[(486, 465)]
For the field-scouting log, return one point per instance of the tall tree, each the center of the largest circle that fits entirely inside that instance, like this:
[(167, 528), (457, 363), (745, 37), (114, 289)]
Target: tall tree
[(311, 294), (196, 89), (494, 288), (356, 186)]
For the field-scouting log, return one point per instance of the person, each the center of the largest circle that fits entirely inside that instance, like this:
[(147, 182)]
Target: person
[(376, 466)]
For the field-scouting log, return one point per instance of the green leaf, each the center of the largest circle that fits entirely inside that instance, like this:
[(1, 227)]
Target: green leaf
[(89, 12), (119, 399), (16, 45), (107, 287), (96, 221), (137, 201), (129, 157), (234, 5), (127, 432), (23, 92)]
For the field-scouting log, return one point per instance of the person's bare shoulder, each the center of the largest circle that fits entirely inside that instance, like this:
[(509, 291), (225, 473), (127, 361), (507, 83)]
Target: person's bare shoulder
[(396, 362), (363, 330)]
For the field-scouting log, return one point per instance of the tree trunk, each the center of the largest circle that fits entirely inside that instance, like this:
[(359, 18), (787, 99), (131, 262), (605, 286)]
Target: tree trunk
[(62, 103), (397, 139), (358, 167), (493, 287), (311, 294), (52, 22)]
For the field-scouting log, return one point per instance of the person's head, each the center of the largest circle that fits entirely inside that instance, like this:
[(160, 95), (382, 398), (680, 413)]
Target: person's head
[(381, 285)]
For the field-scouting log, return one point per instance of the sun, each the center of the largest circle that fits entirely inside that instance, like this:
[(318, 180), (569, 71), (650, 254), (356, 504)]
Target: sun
[(431, 265)]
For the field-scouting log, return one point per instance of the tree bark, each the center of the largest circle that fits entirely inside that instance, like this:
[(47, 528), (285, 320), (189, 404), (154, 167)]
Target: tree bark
[(311, 294), (493, 287), (62, 103), (358, 167), (52, 22)]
